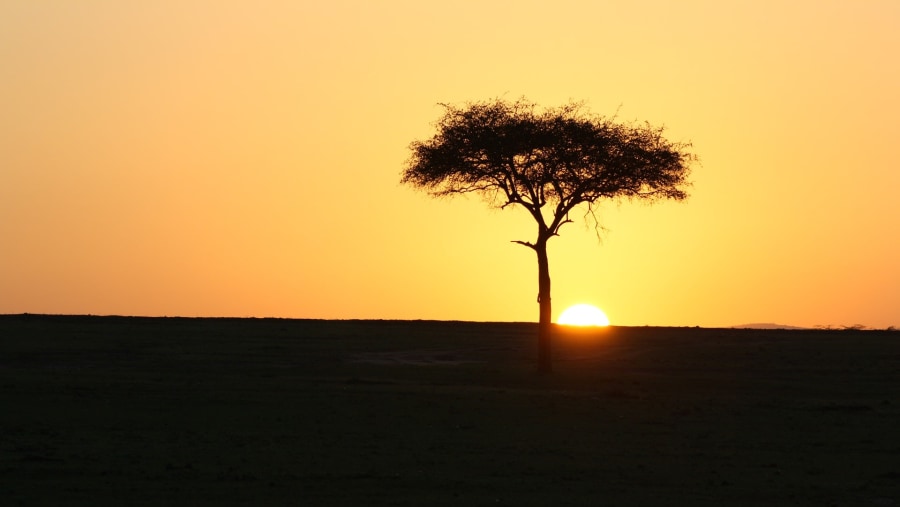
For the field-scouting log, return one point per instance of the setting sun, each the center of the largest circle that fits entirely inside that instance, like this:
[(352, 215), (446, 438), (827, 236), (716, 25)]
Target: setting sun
[(583, 315)]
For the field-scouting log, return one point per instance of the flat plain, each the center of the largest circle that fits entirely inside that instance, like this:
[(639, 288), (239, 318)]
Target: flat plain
[(178, 411)]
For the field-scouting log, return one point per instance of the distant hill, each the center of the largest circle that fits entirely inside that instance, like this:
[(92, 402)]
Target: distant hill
[(766, 325)]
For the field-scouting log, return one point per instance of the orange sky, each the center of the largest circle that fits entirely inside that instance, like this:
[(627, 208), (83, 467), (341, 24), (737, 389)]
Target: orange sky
[(223, 158)]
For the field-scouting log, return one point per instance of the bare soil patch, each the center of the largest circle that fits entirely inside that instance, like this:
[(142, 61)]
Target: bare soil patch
[(450, 357)]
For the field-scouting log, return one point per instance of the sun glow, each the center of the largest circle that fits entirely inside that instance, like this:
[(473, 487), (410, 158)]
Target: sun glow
[(583, 315)]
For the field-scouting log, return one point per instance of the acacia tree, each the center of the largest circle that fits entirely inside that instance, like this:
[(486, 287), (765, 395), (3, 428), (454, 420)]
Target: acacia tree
[(548, 161)]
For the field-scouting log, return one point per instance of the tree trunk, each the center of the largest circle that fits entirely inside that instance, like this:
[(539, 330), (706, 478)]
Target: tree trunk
[(544, 323)]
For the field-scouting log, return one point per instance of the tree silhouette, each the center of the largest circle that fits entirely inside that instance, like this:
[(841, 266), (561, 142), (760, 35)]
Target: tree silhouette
[(548, 161)]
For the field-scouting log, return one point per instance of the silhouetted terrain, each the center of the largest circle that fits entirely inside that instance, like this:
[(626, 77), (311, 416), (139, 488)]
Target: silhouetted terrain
[(766, 325), (172, 411)]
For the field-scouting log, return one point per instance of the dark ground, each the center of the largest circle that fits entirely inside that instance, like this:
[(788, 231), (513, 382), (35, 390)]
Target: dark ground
[(146, 412)]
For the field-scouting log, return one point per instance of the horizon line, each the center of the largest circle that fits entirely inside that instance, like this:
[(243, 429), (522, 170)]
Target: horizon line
[(766, 326)]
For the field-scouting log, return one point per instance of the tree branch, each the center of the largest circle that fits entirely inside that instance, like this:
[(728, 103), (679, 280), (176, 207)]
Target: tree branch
[(524, 243)]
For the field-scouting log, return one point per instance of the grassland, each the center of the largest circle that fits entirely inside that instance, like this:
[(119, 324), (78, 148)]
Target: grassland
[(170, 411)]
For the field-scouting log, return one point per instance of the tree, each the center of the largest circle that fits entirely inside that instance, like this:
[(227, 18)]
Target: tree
[(548, 161)]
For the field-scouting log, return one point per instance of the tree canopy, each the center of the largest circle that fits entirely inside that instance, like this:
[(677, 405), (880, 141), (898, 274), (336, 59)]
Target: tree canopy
[(515, 153)]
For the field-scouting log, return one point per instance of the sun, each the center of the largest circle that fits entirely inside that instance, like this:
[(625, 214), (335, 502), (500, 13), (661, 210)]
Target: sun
[(583, 315)]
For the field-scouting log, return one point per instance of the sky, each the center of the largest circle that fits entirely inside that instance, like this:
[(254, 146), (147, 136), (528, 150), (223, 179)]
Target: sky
[(235, 158)]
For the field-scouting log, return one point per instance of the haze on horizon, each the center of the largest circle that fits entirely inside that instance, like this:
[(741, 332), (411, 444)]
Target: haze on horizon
[(222, 158)]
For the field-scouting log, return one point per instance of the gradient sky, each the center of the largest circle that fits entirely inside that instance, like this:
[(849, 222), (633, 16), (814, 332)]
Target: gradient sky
[(232, 158)]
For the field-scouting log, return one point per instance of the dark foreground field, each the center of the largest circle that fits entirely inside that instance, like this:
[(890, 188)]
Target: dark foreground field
[(135, 411)]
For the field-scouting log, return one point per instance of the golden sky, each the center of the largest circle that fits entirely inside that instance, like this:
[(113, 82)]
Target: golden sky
[(235, 158)]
